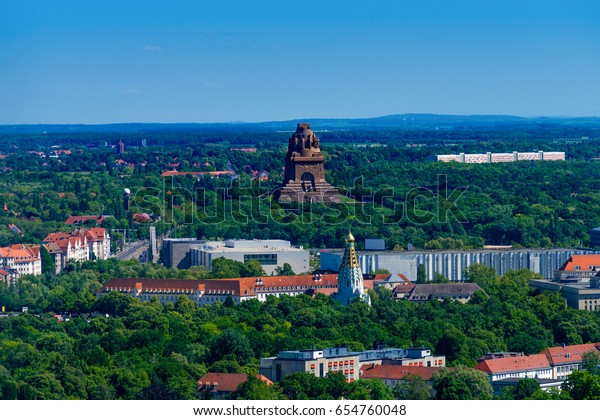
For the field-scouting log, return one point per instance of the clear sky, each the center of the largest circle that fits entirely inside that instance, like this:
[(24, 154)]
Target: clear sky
[(218, 61)]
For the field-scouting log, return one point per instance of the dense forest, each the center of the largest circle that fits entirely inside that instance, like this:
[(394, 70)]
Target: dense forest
[(118, 347), (394, 190)]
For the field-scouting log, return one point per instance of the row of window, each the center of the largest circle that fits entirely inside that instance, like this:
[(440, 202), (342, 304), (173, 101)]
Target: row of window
[(264, 259), (335, 369), (312, 286)]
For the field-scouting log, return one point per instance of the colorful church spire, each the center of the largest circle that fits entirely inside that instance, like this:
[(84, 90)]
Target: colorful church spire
[(350, 278)]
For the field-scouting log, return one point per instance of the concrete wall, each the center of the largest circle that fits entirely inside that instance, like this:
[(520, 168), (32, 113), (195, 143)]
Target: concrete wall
[(298, 259), (176, 251)]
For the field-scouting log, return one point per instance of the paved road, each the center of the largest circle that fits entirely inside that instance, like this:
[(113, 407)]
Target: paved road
[(133, 250)]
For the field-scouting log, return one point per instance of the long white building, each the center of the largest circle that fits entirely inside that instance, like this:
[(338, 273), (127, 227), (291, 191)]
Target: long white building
[(452, 264), (490, 157)]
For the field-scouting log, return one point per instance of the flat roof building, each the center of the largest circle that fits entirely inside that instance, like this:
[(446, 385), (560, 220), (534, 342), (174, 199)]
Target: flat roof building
[(340, 359), (452, 263), (271, 253)]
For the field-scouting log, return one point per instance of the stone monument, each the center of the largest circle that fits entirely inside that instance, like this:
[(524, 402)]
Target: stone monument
[(304, 178)]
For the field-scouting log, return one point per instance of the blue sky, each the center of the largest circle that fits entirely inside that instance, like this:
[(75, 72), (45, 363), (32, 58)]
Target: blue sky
[(196, 61)]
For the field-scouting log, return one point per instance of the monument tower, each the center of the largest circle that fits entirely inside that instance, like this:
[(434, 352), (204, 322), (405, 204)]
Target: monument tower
[(350, 278), (304, 178)]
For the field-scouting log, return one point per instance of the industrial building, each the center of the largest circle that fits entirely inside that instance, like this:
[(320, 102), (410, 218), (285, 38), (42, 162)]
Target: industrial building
[(453, 263)]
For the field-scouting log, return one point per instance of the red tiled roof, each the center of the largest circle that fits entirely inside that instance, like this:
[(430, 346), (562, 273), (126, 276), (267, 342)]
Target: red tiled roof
[(94, 234), (227, 382), (404, 288), (20, 252), (242, 287), (78, 238), (569, 354), (75, 220), (141, 217), (583, 261), (152, 285), (14, 228), (397, 372), (514, 364)]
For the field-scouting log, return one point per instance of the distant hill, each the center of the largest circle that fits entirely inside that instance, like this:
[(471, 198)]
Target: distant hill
[(396, 122)]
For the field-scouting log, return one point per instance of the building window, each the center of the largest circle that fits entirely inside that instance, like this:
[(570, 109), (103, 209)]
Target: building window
[(263, 259)]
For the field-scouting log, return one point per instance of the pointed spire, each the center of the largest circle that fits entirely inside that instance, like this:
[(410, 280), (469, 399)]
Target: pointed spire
[(350, 279), (350, 237)]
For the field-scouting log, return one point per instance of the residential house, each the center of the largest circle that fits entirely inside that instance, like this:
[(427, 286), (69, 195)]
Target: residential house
[(14, 228), (80, 245), (219, 385), (8, 275), (24, 259), (456, 291), (141, 218)]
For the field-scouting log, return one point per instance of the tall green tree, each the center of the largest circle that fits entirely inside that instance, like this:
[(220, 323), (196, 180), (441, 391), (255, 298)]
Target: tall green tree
[(582, 385), (461, 383), (421, 274), (412, 387), (286, 270), (47, 261)]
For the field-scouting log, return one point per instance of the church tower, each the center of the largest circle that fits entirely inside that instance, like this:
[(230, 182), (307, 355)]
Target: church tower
[(304, 179), (350, 278)]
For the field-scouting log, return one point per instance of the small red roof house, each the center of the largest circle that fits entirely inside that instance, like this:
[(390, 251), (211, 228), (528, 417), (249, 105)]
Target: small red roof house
[(220, 384), (14, 228), (141, 218), (78, 220)]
